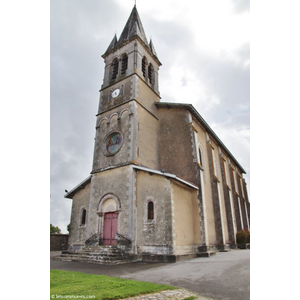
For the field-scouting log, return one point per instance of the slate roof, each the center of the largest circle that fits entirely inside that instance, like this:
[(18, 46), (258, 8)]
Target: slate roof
[(133, 29)]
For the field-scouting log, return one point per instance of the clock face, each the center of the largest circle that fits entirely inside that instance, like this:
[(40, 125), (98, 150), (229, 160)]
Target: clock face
[(112, 143), (115, 93)]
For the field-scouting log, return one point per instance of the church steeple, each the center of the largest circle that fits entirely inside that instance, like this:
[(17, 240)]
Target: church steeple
[(131, 68), (112, 44), (133, 29)]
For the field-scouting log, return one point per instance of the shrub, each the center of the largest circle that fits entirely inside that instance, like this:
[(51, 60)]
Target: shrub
[(243, 236)]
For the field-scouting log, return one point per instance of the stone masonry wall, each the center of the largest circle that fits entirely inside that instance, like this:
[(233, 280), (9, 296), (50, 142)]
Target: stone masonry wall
[(59, 242)]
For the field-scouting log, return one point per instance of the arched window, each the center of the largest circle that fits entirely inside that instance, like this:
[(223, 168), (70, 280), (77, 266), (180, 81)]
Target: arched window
[(124, 64), (115, 69), (150, 210), (83, 217), (144, 63), (200, 158), (150, 74)]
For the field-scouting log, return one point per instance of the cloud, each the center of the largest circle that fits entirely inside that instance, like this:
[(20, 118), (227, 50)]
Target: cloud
[(241, 6), (204, 49)]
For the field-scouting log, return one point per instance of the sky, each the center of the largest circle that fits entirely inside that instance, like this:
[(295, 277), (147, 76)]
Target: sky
[(206, 56), (204, 47)]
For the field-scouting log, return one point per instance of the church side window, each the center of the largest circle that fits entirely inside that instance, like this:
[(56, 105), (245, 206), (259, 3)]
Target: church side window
[(225, 172), (234, 180), (241, 182), (200, 157), (232, 172), (115, 69), (150, 74), (144, 62), (214, 162), (150, 209), (124, 64), (83, 217)]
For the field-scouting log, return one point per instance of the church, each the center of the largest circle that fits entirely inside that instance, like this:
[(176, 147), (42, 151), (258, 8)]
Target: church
[(163, 186)]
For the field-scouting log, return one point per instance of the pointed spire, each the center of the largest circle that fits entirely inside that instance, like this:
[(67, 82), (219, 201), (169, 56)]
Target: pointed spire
[(133, 28), (112, 44), (151, 46)]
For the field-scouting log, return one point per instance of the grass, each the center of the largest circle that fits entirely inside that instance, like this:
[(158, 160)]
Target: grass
[(68, 285)]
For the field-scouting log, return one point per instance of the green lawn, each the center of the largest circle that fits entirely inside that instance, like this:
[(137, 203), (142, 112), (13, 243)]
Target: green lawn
[(68, 285)]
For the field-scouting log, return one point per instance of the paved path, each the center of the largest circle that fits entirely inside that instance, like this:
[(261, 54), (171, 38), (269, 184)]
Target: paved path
[(224, 276)]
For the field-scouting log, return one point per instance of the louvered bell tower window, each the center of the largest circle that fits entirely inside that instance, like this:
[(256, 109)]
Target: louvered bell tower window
[(115, 69), (150, 74), (144, 66), (124, 64)]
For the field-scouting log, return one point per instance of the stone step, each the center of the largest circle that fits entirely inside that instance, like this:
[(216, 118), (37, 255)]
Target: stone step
[(103, 252), (95, 259), (97, 254)]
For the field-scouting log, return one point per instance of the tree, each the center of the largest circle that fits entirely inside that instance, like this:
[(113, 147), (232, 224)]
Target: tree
[(54, 229)]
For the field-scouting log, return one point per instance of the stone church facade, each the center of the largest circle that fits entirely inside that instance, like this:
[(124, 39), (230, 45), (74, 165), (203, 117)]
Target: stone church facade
[(162, 182)]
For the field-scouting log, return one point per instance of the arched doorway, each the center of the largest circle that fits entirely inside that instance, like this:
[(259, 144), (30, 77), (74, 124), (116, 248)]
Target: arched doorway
[(108, 212)]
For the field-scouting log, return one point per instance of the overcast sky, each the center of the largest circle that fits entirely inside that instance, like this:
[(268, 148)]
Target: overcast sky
[(205, 53)]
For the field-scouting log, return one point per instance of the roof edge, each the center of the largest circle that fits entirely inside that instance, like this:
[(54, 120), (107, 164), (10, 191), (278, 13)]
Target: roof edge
[(191, 108), (169, 175), (81, 185)]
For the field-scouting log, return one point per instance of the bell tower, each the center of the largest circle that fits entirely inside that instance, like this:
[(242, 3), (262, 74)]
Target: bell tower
[(131, 64), (127, 128), (126, 119)]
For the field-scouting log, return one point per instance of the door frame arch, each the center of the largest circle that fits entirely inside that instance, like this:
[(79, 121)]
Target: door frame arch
[(109, 203)]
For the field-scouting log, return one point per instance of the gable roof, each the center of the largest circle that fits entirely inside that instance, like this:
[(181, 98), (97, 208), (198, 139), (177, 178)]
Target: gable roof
[(195, 113)]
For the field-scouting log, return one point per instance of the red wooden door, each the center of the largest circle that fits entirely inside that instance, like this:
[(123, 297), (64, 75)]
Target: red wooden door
[(110, 228)]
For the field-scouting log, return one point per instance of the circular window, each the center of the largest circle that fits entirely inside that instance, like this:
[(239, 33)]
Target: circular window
[(112, 143)]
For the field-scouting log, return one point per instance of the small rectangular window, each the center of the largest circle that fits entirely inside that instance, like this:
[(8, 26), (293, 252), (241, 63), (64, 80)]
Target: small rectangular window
[(150, 210), (83, 217)]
